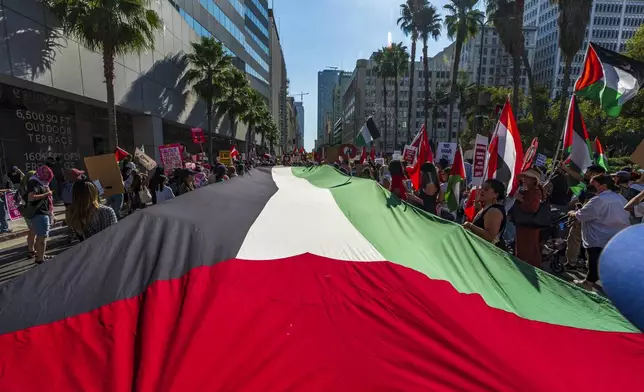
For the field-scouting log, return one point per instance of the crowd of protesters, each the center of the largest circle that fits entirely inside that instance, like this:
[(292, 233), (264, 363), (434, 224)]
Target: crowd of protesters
[(585, 212), (86, 213)]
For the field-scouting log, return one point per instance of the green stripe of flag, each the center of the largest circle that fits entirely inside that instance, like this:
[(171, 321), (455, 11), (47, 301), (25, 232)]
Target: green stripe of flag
[(442, 250)]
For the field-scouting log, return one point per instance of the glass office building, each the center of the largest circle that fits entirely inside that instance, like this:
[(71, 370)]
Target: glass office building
[(56, 80)]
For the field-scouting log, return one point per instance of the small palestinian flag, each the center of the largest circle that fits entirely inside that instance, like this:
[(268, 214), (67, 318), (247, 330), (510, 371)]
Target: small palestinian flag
[(456, 177), (610, 78), (233, 151), (120, 154), (505, 151), (600, 157), (576, 144), (314, 283), (368, 133)]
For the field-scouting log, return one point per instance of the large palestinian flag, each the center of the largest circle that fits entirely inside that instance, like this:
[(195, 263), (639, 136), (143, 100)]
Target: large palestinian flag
[(610, 78), (304, 280)]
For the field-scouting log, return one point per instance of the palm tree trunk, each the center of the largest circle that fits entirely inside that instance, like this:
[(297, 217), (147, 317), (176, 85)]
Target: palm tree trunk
[(396, 112), (452, 95), (516, 77), (210, 133), (384, 104), (533, 90), (412, 69), (426, 80), (564, 95), (108, 72)]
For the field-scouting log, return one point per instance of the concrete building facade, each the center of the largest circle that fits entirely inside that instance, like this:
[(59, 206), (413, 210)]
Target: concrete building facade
[(52, 90), (299, 108), (363, 97), (612, 23), (331, 84), (494, 63)]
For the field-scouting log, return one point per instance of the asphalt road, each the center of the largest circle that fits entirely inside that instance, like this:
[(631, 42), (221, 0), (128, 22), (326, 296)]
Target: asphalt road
[(13, 253)]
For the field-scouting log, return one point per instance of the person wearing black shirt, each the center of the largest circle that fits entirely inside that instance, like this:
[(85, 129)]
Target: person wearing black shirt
[(38, 213)]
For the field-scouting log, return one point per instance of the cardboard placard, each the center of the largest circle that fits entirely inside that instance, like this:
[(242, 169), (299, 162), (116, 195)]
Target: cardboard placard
[(638, 155), (105, 169), (171, 157), (478, 167), (144, 159), (224, 158), (198, 136), (10, 205), (446, 151), (409, 154)]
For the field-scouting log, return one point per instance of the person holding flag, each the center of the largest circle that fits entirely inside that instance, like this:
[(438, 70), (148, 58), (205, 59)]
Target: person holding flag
[(429, 192), (528, 200), (454, 183)]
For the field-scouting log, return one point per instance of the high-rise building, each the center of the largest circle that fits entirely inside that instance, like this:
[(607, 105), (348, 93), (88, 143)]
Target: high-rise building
[(58, 81), (331, 83), (291, 125), (493, 66), (363, 97), (278, 85), (612, 23), (299, 108)]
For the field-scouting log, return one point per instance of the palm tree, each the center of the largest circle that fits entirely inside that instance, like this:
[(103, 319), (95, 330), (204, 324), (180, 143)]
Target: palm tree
[(462, 24), (208, 75), (407, 23), (382, 67), (235, 99), (271, 133), (507, 18), (428, 21), (574, 16), (399, 65), (113, 28), (255, 112)]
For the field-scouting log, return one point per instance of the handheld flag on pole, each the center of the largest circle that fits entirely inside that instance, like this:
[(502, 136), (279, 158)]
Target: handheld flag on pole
[(505, 151), (368, 133), (120, 154), (373, 152), (363, 156), (610, 78), (456, 177), (576, 143), (600, 159), (424, 155), (233, 152)]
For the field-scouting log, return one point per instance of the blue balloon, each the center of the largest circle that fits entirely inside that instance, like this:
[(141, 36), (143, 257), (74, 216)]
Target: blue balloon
[(621, 269)]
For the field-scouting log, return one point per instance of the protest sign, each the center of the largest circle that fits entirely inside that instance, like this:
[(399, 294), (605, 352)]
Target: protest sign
[(10, 205), (409, 153), (198, 136), (99, 187), (144, 159), (105, 169), (541, 160), (171, 157), (380, 161), (446, 151), (478, 168), (530, 154), (638, 155), (396, 156), (224, 158)]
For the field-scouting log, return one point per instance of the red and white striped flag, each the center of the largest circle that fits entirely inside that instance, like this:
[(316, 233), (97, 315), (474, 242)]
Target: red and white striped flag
[(505, 154)]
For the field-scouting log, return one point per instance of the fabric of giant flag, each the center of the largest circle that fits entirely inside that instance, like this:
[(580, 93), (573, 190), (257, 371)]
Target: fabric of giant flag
[(302, 279), (610, 78)]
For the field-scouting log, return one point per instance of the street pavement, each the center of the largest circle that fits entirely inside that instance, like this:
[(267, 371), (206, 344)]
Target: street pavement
[(13, 254)]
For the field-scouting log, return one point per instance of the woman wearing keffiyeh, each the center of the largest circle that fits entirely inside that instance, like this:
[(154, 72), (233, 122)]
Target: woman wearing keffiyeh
[(40, 212)]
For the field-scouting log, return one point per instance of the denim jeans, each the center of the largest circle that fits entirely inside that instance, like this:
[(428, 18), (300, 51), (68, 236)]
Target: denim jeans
[(4, 225), (116, 203)]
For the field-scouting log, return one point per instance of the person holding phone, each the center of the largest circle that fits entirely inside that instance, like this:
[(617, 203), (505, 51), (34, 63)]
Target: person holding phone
[(40, 212)]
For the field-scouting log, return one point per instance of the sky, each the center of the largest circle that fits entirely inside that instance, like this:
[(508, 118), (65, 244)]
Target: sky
[(334, 33)]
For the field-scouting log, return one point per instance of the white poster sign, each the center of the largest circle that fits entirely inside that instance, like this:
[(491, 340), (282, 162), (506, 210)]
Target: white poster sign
[(144, 159), (446, 151), (397, 156), (480, 152)]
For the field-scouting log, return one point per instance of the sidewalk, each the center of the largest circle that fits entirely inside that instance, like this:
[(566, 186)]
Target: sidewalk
[(19, 226)]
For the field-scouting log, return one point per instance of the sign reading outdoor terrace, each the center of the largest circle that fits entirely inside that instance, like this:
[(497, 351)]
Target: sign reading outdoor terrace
[(36, 127)]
